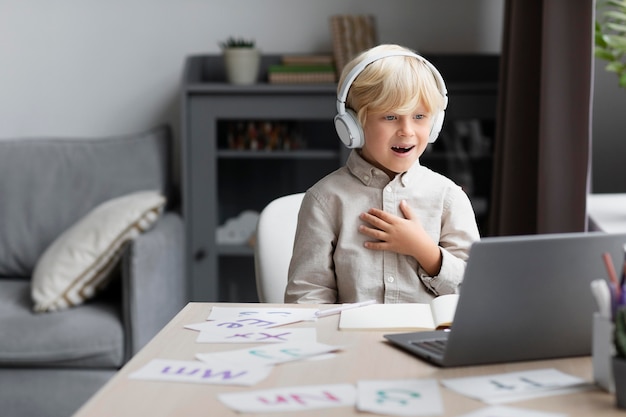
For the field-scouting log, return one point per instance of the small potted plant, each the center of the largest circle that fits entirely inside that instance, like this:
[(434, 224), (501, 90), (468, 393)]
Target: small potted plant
[(241, 60)]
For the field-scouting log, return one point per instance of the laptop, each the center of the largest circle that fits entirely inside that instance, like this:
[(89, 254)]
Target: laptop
[(522, 298)]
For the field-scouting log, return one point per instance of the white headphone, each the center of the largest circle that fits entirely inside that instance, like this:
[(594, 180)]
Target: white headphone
[(347, 123)]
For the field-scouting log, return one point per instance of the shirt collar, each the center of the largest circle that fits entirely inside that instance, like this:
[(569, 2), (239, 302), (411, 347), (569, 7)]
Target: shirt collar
[(369, 175)]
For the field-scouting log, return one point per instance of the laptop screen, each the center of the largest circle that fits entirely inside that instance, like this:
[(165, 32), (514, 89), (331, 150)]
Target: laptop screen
[(529, 297)]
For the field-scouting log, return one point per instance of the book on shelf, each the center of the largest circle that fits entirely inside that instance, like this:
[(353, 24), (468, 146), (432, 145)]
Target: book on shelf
[(301, 73), (307, 59), (435, 315), (351, 34)]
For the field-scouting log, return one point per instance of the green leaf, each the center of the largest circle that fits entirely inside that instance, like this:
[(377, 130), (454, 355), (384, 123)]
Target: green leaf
[(614, 14), (610, 42), (233, 42), (603, 54), (615, 42), (614, 3), (615, 67), (622, 80), (617, 27)]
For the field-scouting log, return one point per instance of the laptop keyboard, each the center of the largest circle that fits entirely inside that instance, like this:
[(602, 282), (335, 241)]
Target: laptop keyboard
[(435, 346)]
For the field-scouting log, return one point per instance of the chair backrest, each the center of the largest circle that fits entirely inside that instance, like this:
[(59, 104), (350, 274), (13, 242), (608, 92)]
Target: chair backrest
[(275, 234)]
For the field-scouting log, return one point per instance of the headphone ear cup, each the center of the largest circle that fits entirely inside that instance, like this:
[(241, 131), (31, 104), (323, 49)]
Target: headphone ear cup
[(349, 129), (436, 128)]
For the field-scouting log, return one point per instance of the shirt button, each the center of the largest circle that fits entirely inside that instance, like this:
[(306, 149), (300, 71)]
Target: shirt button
[(390, 279), (388, 189), (366, 178)]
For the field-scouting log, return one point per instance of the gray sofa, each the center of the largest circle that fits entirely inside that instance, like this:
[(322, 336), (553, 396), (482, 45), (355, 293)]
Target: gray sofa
[(52, 362)]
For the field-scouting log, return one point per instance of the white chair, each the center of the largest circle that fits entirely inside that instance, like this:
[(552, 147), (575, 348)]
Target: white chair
[(275, 234)]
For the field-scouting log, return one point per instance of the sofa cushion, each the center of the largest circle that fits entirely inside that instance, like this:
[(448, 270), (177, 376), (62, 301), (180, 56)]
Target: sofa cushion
[(49, 184), (78, 263), (89, 336)]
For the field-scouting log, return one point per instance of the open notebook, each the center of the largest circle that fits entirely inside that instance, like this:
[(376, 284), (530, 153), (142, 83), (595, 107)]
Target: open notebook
[(437, 314), (522, 298)]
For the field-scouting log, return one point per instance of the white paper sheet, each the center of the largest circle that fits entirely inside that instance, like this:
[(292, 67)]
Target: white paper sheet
[(202, 326), (274, 335), (291, 398), (505, 411), (516, 386), (201, 372), (401, 397), (270, 354), (265, 317)]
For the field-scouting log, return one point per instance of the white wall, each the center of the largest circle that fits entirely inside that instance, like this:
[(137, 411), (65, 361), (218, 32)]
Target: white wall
[(94, 67)]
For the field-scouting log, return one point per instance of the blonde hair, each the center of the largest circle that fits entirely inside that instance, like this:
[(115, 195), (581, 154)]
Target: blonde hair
[(396, 84)]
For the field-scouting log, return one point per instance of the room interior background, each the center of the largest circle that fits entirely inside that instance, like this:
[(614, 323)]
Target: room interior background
[(90, 68)]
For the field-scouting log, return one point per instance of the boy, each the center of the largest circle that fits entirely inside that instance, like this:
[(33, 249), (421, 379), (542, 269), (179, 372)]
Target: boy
[(383, 227)]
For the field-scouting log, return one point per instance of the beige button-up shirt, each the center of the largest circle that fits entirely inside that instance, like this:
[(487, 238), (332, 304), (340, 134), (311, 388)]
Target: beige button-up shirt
[(330, 263)]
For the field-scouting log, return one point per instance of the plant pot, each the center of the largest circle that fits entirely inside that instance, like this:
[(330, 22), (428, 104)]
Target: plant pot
[(242, 65), (619, 376)]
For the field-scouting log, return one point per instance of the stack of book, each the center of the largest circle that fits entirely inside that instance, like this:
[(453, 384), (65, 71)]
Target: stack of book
[(302, 69)]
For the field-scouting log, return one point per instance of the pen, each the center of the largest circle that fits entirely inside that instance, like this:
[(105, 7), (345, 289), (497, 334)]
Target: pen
[(337, 310), (608, 262), (624, 268)]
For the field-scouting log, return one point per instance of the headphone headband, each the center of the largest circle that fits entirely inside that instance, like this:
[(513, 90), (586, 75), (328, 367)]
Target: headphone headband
[(342, 96)]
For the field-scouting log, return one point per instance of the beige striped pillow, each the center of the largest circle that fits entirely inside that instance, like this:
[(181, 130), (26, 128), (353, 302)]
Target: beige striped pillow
[(78, 263)]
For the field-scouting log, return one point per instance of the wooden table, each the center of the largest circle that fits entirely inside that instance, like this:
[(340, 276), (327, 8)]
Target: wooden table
[(366, 356)]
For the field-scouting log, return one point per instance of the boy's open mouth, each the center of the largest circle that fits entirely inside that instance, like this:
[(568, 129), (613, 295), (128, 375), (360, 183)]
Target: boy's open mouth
[(402, 149)]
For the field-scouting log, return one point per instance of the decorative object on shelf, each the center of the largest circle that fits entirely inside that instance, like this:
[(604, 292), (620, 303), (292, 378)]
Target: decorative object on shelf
[(241, 60), (610, 37), (351, 34), (238, 230), (263, 135)]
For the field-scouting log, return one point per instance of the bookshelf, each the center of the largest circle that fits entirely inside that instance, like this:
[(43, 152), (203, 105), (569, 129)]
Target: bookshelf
[(225, 175)]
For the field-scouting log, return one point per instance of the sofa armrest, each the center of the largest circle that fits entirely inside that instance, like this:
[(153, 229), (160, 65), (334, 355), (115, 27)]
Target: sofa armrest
[(154, 288)]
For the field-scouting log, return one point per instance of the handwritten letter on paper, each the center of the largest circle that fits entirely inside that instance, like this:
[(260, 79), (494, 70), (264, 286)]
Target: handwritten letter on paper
[(270, 354), (513, 386), (199, 372), (262, 316), (291, 398), (403, 397), (278, 335)]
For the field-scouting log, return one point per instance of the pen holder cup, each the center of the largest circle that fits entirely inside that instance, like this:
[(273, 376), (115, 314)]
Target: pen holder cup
[(602, 352)]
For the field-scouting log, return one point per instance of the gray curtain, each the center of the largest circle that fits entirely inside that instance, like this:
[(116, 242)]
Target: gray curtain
[(542, 147)]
